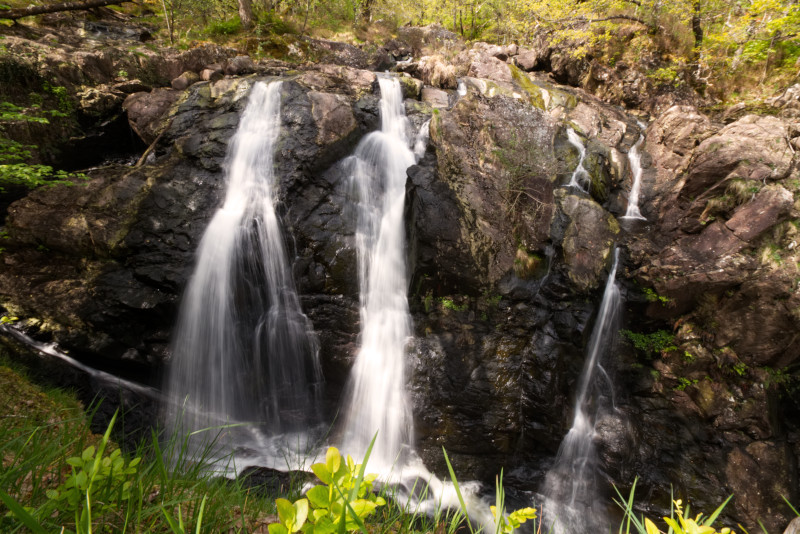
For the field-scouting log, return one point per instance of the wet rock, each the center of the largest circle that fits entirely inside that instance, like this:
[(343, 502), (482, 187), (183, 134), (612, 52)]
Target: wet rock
[(482, 154)]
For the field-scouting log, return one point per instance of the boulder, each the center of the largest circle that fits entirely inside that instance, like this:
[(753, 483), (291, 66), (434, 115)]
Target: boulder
[(186, 79), (240, 65), (768, 207), (147, 112), (752, 148), (588, 239), (333, 116), (490, 68), (436, 98)]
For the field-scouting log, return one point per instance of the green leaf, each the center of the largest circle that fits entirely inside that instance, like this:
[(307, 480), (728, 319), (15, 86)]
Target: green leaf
[(277, 528), (88, 453), (333, 460), (322, 473), (301, 513), (286, 512), (318, 496)]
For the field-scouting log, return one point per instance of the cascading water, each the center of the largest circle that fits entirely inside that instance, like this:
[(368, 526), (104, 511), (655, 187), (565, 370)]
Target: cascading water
[(634, 158), (580, 176), (244, 351), (570, 497), (376, 396)]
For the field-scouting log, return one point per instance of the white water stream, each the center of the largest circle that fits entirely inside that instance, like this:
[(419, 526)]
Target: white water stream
[(635, 160), (580, 176), (243, 350), (570, 497), (376, 395)]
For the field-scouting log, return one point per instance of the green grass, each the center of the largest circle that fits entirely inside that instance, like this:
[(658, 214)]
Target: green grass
[(45, 431)]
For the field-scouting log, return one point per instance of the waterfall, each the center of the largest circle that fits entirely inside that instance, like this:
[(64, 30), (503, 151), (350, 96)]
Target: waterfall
[(243, 350), (569, 490), (580, 176), (376, 399), (634, 158)]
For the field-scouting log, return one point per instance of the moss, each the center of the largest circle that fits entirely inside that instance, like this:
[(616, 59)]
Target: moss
[(534, 91)]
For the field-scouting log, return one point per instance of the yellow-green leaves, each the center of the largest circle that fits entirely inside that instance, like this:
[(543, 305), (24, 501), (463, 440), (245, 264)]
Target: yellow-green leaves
[(339, 504), (292, 516), (514, 519)]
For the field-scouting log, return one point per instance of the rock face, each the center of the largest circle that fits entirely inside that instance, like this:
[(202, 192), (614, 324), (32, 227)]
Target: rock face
[(506, 264)]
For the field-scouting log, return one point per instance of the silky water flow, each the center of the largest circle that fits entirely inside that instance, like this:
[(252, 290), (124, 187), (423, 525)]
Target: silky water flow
[(244, 373), (570, 495)]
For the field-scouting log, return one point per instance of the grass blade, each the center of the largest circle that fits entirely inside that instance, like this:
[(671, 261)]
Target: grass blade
[(22, 514), (713, 517), (458, 490)]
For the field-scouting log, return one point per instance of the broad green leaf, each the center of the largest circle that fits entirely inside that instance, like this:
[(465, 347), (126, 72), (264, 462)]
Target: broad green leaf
[(88, 453), (333, 460), (286, 512), (301, 513), (322, 473), (277, 528), (650, 527), (318, 496)]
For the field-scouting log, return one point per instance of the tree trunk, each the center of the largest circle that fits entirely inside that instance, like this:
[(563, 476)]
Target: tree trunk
[(366, 11), (14, 14), (246, 13), (697, 29)]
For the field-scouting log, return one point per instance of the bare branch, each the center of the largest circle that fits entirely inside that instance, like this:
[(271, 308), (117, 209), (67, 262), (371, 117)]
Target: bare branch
[(14, 14)]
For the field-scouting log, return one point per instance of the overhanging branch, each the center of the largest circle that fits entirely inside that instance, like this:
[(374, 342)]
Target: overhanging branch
[(14, 14)]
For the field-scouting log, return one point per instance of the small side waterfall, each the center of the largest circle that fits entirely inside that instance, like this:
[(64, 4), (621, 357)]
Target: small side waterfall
[(635, 160), (244, 351), (580, 176), (569, 490), (376, 397)]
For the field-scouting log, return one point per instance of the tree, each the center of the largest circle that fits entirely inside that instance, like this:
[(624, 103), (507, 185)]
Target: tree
[(246, 13)]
